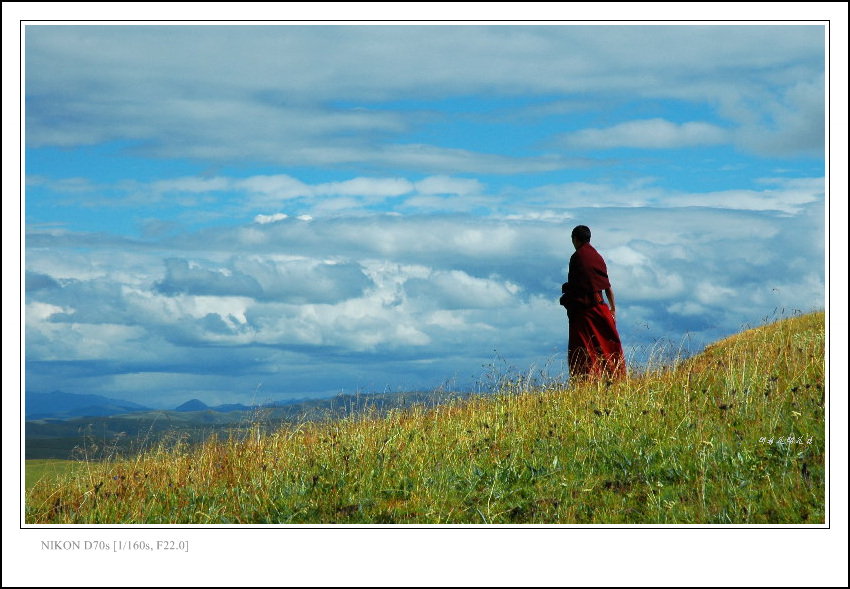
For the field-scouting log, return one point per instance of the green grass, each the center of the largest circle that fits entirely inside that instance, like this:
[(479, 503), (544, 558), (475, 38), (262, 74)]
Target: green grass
[(685, 443), (49, 471)]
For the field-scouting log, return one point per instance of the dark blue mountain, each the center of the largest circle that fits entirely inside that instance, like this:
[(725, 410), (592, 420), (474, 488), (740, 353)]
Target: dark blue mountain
[(193, 405), (228, 407), (197, 405), (59, 405)]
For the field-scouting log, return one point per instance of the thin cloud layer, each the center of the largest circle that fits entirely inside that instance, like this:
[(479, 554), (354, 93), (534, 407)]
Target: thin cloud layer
[(650, 134), (332, 106)]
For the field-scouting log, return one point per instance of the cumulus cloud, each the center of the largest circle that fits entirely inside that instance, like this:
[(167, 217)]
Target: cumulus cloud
[(413, 325), (184, 278), (455, 289), (306, 280), (360, 298), (296, 280)]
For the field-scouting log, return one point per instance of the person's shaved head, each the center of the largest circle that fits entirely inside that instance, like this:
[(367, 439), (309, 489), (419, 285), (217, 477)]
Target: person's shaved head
[(581, 233)]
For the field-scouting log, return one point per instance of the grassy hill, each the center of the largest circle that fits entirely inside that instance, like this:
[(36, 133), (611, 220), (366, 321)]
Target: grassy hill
[(733, 435)]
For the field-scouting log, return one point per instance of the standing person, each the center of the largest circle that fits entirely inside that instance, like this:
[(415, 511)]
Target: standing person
[(594, 348)]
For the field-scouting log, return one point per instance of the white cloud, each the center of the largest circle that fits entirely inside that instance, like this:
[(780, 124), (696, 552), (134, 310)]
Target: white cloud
[(376, 187), (782, 199), (265, 191), (626, 256), (295, 280), (263, 219), (456, 289), (36, 311), (786, 195), (544, 215), (455, 160), (448, 185), (649, 134), (688, 308), (191, 184), (787, 122), (273, 187), (710, 293)]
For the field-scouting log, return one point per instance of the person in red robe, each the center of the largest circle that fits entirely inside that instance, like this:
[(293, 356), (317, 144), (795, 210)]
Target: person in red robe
[(594, 346)]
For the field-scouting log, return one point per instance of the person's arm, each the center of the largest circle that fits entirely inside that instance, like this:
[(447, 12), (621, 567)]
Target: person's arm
[(609, 292)]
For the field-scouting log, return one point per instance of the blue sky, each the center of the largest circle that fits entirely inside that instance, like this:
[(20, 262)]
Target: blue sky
[(239, 213)]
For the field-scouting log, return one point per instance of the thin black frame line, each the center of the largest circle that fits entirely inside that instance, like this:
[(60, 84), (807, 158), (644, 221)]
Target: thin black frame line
[(589, 22)]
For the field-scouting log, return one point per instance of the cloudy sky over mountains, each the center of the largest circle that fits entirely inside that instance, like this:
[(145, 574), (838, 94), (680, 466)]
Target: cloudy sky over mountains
[(239, 213)]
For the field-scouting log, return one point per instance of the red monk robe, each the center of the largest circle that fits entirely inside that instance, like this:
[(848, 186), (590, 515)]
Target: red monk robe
[(594, 347)]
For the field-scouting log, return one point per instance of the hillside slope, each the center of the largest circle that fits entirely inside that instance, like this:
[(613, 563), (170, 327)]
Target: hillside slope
[(732, 436)]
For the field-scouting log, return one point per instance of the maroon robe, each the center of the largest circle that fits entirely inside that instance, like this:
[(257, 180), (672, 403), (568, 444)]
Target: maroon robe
[(594, 347)]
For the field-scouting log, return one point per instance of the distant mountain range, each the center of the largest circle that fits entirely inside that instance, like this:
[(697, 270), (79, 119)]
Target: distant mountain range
[(60, 425), (59, 405)]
